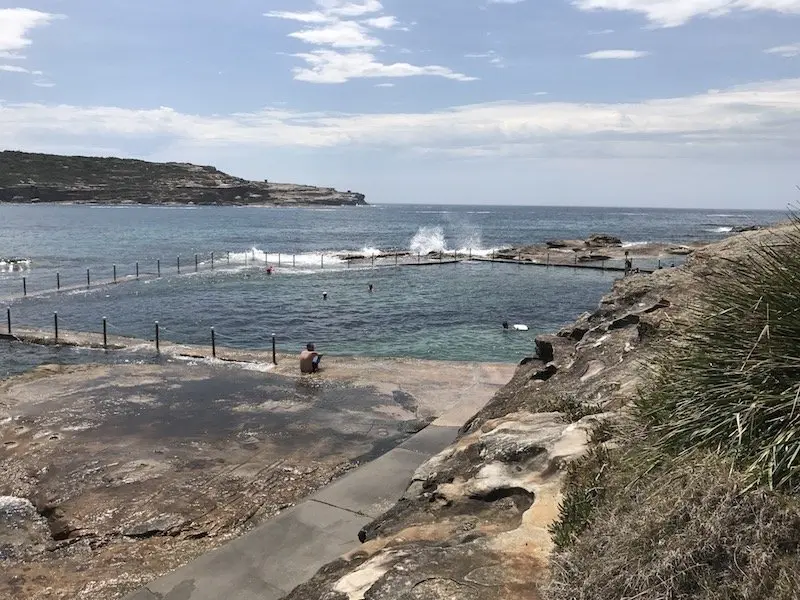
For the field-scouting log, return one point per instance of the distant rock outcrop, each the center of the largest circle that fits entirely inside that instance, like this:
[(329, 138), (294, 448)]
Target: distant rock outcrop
[(26, 177)]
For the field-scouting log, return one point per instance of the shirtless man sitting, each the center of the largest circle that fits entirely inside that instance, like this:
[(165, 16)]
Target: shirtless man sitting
[(309, 359)]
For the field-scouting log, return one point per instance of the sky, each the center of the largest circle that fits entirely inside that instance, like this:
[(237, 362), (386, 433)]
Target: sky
[(670, 103)]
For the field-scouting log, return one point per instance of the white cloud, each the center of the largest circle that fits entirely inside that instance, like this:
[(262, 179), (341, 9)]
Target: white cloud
[(339, 34), (13, 69), (15, 24), (615, 54), (385, 22), (672, 13), (601, 31), (343, 8), (384, 85), (44, 84), (329, 66), (787, 51), (304, 17), (755, 120), (338, 25), (492, 56)]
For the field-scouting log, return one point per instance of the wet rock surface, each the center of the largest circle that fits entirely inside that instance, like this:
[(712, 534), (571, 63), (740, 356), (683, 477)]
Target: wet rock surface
[(114, 475)]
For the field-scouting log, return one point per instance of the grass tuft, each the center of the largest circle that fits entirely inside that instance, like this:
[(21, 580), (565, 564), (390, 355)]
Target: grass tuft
[(731, 382)]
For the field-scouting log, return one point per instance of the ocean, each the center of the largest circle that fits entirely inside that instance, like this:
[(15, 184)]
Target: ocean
[(443, 312)]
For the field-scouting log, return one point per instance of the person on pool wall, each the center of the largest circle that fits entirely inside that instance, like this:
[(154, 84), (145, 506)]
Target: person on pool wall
[(309, 359)]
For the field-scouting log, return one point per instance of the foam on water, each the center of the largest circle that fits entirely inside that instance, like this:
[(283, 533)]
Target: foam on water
[(304, 260), (14, 264), (428, 239), (719, 229), (432, 239)]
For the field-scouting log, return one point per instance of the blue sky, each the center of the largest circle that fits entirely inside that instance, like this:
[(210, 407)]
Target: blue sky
[(677, 103)]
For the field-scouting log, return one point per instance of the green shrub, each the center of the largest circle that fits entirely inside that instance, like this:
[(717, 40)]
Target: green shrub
[(731, 383)]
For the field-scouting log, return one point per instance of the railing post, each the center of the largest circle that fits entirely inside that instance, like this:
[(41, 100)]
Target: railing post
[(24, 286), (8, 316), (229, 257), (88, 279), (470, 253), (195, 263), (213, 344), (548, 259), (137, 271), (179, 265), (274, 354), (212, 261), (158, 347), (158, 267), (105, 333), (58, 281), (55, 325), (115, 273), (322, 261)]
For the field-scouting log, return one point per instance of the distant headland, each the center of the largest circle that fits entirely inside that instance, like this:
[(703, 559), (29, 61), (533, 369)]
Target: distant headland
[(48, 178)]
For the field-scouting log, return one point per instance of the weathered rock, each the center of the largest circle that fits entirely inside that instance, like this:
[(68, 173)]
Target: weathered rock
[(564, 243), (545, 373), (680, 250), (473, 523), (161, 525), (599, 240), (23, 531), (554, 348), (662, 303), (626, 321)]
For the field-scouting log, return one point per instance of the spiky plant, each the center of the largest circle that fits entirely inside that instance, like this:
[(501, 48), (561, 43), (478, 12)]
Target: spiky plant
[(731, 383)]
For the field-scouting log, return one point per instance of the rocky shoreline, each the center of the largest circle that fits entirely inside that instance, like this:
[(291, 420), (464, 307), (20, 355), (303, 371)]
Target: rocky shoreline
[(117, 474), (475, 521), (44, 178)]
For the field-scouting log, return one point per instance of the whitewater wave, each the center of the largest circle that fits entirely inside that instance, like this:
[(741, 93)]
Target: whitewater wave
[(14, 264), (432, 239), (255, 257), (718, 229), (634, 244)]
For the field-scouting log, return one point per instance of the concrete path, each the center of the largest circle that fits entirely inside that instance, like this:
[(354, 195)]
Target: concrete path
[(273, 559)]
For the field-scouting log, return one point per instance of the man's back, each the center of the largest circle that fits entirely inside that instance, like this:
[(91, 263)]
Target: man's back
[(307, 361)]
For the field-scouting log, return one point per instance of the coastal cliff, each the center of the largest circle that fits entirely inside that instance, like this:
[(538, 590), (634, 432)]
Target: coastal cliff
[(30, 178), (507, 511)]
